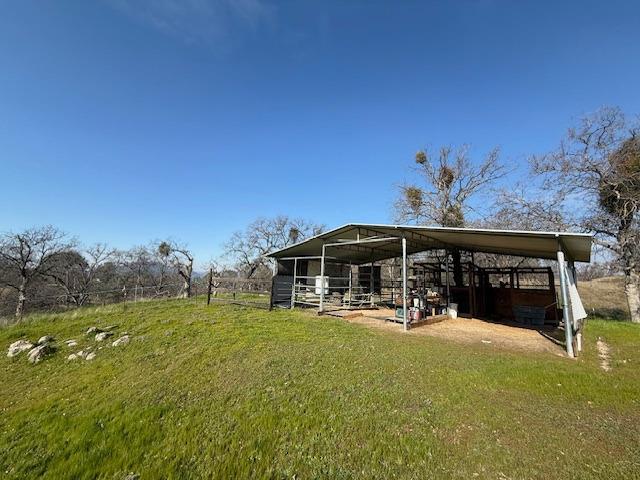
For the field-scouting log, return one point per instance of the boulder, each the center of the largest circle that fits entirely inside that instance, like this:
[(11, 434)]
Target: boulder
[(71, 343), (73, 356), (121, 341), (38, 353), (18, 347), (90, 356), (103, 336), (45, 339)]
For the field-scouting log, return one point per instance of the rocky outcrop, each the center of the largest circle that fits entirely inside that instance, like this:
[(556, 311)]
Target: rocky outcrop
[(121, 341), (18, 347), (103, 336), (38, 353), (45, 339)]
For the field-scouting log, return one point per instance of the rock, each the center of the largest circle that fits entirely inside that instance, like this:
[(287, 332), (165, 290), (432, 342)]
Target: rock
[(41, 351), (90, 356), (93, 331), (71, 343), (45, 339), (103, 336), (73, 356), (109, 328), (18, 347), (121, 341), (132, 476)]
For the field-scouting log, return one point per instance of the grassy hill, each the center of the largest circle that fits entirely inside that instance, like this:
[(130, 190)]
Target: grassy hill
[(604, 297), (233, 392)]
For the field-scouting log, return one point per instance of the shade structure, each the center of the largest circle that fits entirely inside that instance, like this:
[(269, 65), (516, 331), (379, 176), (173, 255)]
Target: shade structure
[(359, 243)]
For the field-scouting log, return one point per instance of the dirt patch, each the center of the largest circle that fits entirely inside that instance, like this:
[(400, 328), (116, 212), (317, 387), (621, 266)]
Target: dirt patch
[(474, 331), (604, 354)]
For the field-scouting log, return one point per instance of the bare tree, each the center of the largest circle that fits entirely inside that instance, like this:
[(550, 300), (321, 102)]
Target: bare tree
[(591, 182), (247, 248), (76, 272), (29, 255), (182, 260), (448, 184)]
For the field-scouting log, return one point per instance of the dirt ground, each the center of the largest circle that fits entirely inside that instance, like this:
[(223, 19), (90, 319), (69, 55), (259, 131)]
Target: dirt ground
[(470, 330)]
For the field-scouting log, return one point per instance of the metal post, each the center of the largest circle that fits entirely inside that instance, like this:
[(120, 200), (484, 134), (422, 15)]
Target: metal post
[(371, 284), (404, 283), (350, 283), (293, 285), (566, 311), (322, 280), (446, 253)]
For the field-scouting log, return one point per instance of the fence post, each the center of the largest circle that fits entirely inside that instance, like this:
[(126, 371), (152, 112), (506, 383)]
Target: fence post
[(209, 286), (124, 298), (273, 280)]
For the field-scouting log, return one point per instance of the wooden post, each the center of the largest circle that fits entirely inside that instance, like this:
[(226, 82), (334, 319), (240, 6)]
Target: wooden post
[(209, 286)]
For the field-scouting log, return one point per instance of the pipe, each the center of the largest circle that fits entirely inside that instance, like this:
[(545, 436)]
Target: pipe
[(322, 280), (566, 311), (404, 283)]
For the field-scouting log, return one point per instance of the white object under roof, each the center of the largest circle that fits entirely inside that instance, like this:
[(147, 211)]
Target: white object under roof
[(362, 243)]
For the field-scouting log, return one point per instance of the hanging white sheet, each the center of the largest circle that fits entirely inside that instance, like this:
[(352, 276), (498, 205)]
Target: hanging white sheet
[(577, 309)]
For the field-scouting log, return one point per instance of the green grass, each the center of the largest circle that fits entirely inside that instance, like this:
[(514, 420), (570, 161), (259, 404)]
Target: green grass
[(234, 392)]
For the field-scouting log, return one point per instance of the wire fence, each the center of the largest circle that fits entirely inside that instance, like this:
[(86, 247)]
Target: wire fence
[(255, 292)]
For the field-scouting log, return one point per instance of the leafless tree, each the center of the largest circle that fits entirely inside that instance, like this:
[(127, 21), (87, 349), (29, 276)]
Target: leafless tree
[(591, 182), (182, 260), (27, 256), (76, 272), (247, 248), (448, 183)]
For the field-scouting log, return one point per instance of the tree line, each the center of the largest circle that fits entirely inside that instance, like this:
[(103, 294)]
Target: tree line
[(41, 267)]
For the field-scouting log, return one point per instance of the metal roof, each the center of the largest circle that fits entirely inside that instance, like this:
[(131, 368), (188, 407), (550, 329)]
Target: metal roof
[(362, 243)]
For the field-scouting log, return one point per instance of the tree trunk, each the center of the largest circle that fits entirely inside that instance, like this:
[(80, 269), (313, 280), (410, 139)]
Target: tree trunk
[(630, 269), (186, 279), (457, 267), (22, 297), (631, 282)]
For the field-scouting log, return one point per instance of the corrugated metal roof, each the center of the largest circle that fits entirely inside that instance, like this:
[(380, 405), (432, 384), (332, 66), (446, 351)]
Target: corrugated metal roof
[(387, 245)]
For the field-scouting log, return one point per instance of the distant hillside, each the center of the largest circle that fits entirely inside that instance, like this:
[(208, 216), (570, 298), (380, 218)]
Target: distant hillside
[(604, 297)]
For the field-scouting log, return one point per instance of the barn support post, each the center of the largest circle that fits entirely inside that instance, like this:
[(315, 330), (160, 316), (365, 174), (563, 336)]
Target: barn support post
[(322, 279), (293, 284), (350, 284), (566, 307), (371, 283), (404, 283), (446, 263)]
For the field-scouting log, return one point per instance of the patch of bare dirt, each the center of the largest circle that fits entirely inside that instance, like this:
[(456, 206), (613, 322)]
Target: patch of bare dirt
[(474, 331), (604, 354)]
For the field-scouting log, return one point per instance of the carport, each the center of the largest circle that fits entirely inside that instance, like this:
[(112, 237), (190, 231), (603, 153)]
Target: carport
[(337, 252)]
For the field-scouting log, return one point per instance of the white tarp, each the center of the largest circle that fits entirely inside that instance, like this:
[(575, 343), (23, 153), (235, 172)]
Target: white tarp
[(577, 309)]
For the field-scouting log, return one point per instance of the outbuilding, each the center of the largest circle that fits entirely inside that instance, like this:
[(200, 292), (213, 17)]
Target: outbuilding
[(428, 273)]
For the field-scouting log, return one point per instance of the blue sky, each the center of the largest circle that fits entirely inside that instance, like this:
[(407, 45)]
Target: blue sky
[(130, 120)]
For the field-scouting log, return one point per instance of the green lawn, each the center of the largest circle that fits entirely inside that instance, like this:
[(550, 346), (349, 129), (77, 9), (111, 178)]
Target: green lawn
[(234, 392)]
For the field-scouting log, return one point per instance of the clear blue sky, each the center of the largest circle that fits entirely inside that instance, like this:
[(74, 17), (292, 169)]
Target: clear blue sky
[(129, 120)]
